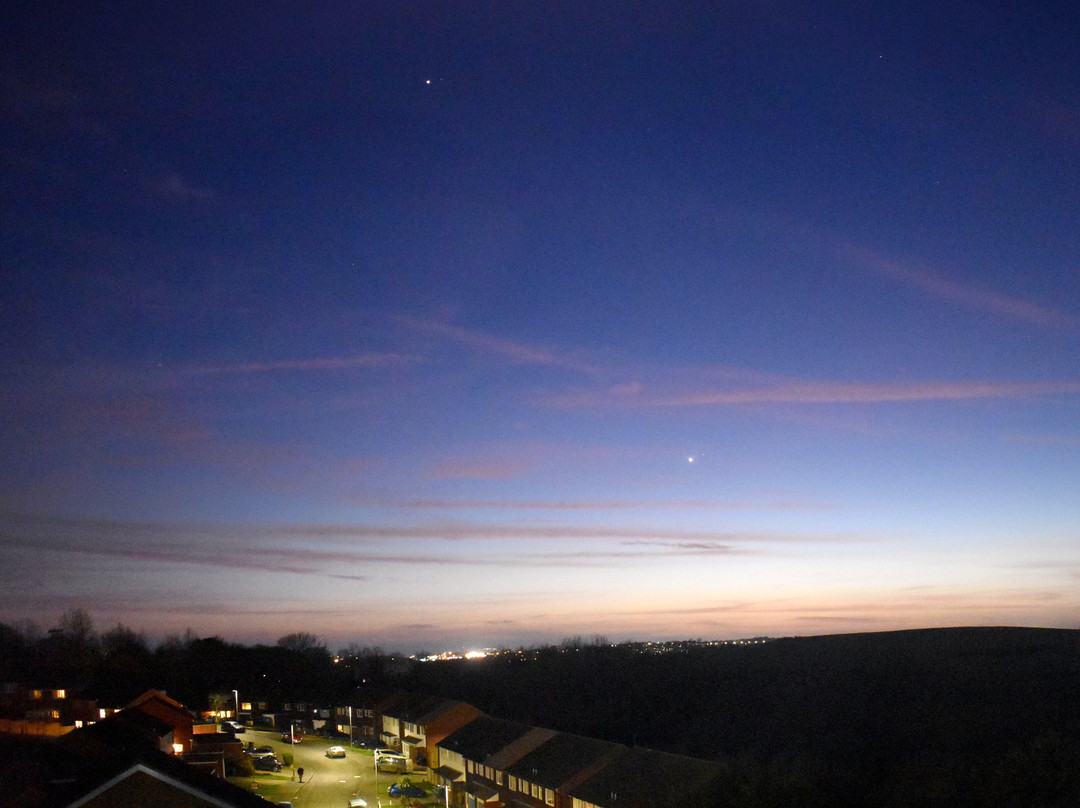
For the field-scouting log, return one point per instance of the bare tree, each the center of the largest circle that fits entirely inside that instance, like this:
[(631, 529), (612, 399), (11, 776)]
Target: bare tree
[(302, 642), (76, 626)]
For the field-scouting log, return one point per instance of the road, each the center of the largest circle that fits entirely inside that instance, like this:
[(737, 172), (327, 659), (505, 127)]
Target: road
[(328, 782)]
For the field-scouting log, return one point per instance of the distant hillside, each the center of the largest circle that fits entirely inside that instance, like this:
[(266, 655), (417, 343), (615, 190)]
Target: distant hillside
[(881, 711)]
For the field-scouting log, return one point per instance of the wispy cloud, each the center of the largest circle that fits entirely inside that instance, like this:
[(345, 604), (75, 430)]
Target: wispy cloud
[(315, 364), (687, 547), (966, 294), (478, 469), (323, 549), (174, 186), (610, 505), (1061, 440), (508, 350), (823, 392)]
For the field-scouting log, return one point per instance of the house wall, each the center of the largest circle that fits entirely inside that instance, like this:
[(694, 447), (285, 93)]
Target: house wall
[(43, 729)]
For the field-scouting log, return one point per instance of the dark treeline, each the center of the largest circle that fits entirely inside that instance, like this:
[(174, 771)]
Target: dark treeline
[(119, 664), (957, 717)]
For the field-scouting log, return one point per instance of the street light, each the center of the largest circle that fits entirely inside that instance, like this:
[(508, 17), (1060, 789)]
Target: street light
[(236, 701)]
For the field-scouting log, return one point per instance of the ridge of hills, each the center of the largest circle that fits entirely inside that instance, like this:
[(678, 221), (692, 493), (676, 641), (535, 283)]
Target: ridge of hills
[(861, 712)]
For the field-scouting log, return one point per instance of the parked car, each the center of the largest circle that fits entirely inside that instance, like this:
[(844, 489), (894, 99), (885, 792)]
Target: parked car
[(234, 727), (357, 802), (405, 789), (391, 763), (268, 763), (288, 738), (336, 752), (260, 751)]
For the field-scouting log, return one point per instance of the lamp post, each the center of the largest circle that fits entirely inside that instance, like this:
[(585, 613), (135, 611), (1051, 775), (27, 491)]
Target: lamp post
[(375, 758), (236, 701)]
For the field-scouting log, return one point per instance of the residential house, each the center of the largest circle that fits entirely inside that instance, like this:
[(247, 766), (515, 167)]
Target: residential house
[(143, 783), (206, 740), (472, 759), (544, 776), (46, 712), (645, 778), (85, 774), (172, 712), (419, 724), (363, 716)]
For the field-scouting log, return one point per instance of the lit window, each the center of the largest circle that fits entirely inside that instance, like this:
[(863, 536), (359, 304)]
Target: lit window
[(35, 694), (178, 748), (101, 713), (61, 694), (78, 724)]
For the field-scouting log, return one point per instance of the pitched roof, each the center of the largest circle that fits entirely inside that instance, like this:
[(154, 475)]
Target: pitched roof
[(563, 759), (645, 778), (126, 734), (483, 736), (142, 784), (121, 751), (435, 711), (514, 750), (160, 697), (413, 708)]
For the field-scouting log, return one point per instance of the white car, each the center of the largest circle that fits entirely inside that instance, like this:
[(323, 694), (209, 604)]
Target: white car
[(336, 751), (357, 802)]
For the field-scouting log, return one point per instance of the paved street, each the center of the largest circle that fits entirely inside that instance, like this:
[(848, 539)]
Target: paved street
[(328, 782)]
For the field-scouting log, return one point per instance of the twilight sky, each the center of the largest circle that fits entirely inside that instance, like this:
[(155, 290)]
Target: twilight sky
[(441, 324)]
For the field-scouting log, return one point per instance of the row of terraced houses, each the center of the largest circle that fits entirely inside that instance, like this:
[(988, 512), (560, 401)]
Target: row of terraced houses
[(486, 762)]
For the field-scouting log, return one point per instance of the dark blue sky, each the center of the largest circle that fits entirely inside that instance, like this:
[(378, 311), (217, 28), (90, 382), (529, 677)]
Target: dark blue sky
[(403, 321)]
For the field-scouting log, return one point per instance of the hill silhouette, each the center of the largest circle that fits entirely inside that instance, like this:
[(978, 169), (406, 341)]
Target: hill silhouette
[(932, 716)]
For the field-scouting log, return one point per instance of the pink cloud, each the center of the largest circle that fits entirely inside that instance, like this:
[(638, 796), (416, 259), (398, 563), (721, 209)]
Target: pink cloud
[(479, 469), (968, 295)]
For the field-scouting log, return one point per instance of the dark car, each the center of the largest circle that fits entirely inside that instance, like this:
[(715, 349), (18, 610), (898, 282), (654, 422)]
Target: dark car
[(269, 763), (287, 738), (405, 789)]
